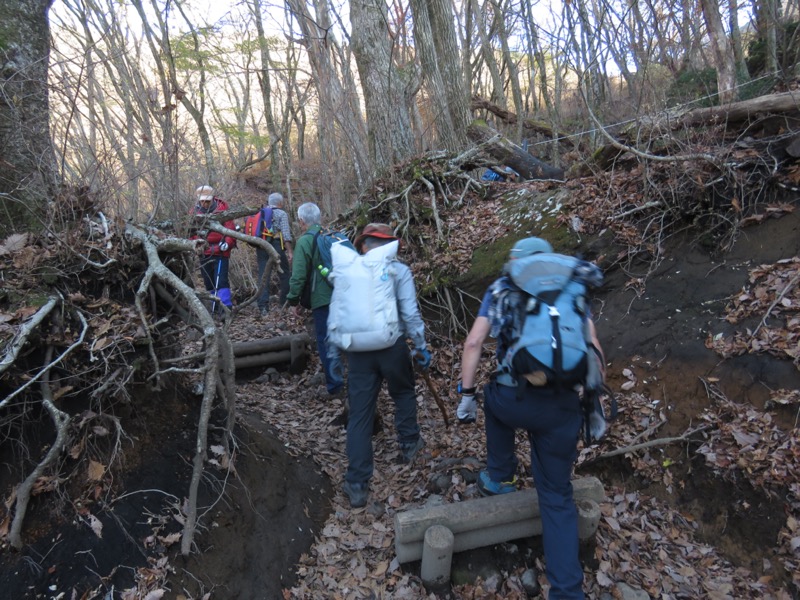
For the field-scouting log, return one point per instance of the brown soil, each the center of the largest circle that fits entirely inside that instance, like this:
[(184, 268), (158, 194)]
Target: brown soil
[(261, 521)]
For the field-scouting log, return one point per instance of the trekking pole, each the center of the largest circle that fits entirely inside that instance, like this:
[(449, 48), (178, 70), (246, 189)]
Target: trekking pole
[(434, 393), (216, 285)]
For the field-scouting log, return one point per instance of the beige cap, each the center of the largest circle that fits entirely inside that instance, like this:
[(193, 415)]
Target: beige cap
[(204, 193)]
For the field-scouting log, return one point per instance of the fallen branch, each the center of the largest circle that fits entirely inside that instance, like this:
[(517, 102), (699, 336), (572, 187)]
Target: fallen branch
[(645, 445), (781, 296)]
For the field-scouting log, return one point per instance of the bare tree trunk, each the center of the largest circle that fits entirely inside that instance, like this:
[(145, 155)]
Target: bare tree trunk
[(266, 91), (28, 173), (541, 62), (742, 74), (442, 20), (338, 100), (498, 96), (165, 185), (195, 109), (723, 53), (388, 120), (438, 52), (513, 73), (767, 21)]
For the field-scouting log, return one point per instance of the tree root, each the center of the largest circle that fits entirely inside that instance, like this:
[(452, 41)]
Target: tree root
[(61, 421), (19, 342), (216, 343)]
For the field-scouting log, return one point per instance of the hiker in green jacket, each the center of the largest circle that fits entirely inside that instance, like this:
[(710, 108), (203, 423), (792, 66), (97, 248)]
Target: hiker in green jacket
[(306, 278)]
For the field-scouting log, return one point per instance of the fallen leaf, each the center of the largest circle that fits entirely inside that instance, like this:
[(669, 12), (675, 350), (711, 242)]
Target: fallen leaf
[(95, 471)]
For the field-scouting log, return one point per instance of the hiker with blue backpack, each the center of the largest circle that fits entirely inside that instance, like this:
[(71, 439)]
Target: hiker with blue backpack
[(309, 286), (373, 312), (272, 225), (547, 350)]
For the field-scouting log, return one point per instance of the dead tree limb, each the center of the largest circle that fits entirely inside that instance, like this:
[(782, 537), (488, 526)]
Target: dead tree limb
[(505, 152), (740, 111), (650, 444), (645, 155), (61, 422), (511, 118), (212, 337)]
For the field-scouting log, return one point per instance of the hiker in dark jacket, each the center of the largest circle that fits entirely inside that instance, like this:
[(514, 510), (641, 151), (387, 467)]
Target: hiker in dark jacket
[(217, 250), (551, 416), (282, 242), (304, 273), (368, 369)]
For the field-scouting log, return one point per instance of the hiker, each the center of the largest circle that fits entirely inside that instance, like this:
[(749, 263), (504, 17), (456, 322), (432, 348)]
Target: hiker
[(217, 251), (279, 234), (305, 274), (550, 413), (375, 345)]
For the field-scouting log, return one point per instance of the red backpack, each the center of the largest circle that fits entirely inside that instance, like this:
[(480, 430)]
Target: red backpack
[(260, 224)]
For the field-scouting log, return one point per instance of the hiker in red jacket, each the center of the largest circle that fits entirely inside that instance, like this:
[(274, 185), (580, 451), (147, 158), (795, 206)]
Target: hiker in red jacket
[(217, 251)]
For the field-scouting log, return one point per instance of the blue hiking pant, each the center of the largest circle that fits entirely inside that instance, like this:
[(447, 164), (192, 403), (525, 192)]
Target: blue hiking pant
[(262, 259), (366, 372), (553, 421), (215, 278), (333, 383)]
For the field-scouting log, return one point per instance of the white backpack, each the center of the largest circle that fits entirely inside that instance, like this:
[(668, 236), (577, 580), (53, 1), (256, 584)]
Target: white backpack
[(363, 312)]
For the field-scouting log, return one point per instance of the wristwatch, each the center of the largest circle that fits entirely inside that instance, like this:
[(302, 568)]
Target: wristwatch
[(466, 391)]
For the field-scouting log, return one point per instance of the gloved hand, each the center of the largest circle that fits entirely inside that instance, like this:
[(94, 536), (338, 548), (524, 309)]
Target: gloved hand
[(223, 247), (423, 358), (467, 410)]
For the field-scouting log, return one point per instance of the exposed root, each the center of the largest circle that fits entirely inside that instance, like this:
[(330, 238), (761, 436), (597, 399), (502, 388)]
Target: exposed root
[(216, 343), (61, 422)]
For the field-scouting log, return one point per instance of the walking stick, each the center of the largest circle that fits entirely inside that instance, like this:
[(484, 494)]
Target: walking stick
[(216, 285), (435, 394)]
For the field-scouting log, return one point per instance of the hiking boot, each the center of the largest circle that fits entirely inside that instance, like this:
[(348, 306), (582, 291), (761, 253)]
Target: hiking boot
[(487, 487), (357, 492), (338, 394), (408, 451), (340, 420), (263, 312)]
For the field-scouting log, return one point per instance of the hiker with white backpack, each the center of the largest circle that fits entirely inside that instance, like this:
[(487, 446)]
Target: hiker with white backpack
[(547, 350), (373, 311)]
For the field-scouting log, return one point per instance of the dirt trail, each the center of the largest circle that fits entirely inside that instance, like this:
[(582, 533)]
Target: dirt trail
[(279, 501)]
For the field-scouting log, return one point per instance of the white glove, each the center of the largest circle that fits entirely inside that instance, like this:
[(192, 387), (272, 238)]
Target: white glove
[(223, 247), (597, 425), (467, 411)]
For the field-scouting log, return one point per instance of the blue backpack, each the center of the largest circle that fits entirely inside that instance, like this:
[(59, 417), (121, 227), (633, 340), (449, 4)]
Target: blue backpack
[(321, 260), (323, 240), (550, 340)]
